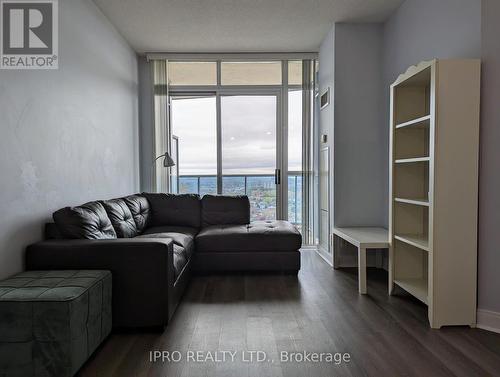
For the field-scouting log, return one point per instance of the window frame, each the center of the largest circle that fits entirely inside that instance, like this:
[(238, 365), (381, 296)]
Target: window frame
[(281, 91)]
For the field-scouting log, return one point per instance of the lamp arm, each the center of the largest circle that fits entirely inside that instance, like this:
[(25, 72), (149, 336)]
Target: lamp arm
[(156, 159)]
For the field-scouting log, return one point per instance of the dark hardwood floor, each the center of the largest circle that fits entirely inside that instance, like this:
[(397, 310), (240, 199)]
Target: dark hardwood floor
[(319, 310)]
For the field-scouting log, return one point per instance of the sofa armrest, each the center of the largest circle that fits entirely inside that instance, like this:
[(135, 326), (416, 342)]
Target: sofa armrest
[(142, 271)]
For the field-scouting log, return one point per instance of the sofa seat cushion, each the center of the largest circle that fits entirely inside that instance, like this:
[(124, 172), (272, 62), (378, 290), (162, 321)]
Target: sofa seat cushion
[(256, 236), (141, 212), (89, 221), (121, 218), (181, 235)]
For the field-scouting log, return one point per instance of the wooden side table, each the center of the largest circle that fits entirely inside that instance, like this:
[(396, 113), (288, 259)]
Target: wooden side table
[(364, 238)]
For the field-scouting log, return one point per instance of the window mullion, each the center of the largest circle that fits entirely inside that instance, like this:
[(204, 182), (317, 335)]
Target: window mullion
[(219, 130), (284, 141)]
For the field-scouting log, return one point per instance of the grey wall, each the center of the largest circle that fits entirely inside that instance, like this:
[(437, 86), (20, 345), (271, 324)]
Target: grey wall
[(367, 59), (326, 118), (359, 190), (426, 29), (489, 172), (67, 136), (351, 65), (326, 80), (146, 127), (423, 30)]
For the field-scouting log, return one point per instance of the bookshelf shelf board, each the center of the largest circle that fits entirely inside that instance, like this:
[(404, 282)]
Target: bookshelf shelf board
[(416, 201), (417, 240), (415, 286), (412, 160), (415, 123)]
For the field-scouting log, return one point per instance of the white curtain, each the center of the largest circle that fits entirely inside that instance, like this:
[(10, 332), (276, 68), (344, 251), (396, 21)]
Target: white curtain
[(308, 213), (160, 176)]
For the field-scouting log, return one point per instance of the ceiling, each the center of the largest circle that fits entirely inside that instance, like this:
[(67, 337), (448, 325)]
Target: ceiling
[(236, 25)]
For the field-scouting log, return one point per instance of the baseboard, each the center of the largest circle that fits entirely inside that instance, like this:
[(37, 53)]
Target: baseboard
[(309, 247), (324, 256), (488, 320)]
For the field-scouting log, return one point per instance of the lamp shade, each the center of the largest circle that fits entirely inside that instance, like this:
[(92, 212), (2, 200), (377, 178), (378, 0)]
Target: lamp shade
[(168, 161)]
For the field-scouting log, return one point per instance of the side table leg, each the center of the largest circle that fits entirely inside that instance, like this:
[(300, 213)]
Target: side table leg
[(362, 270)]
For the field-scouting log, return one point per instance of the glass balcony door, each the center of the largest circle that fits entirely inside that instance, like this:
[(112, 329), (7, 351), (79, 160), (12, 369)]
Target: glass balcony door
[(227, 143), (249, 152)]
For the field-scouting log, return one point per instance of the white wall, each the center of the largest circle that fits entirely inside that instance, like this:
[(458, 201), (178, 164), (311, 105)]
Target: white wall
[(69, 135)]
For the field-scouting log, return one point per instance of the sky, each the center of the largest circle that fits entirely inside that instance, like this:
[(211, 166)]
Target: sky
[(248, 134)]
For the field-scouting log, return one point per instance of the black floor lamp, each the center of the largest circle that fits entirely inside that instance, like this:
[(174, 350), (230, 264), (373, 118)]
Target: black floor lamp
[(167, 163)]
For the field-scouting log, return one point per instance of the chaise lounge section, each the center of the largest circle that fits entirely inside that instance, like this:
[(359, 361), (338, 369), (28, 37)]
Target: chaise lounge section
[(228, 242), (152, 243)]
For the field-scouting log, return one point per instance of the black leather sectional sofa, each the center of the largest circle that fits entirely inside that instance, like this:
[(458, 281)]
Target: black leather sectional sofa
[(153, 242)]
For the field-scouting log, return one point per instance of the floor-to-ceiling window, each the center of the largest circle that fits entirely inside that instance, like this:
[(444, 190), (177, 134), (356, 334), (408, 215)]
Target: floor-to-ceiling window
[(194, 126), (237, 128)]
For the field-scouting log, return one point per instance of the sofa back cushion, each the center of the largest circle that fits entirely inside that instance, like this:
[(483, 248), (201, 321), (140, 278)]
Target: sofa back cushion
[(121, 218), (86, 221), (224, 210), (52, 232), (172, 209), (141, 212)]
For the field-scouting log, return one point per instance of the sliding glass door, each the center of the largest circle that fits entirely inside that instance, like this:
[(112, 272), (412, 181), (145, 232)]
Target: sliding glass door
[(249, 151), (237, 155)]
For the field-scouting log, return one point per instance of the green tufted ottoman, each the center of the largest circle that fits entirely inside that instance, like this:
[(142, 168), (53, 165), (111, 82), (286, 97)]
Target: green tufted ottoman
[(52, 321)]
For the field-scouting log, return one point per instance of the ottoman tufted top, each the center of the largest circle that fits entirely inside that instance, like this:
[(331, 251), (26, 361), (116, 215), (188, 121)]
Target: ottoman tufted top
[(52, 321), (64, 285)]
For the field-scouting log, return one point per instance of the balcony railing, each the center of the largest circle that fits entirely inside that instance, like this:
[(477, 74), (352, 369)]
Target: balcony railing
[(260, 189)]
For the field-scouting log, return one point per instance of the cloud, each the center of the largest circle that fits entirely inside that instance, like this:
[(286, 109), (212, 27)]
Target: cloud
[(248, 133)]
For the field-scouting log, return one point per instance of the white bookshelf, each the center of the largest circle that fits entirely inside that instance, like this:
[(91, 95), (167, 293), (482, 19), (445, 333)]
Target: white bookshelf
[(434, 143)]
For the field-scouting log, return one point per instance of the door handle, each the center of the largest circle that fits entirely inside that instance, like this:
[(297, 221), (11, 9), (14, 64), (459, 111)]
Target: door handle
[(277, 176)]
